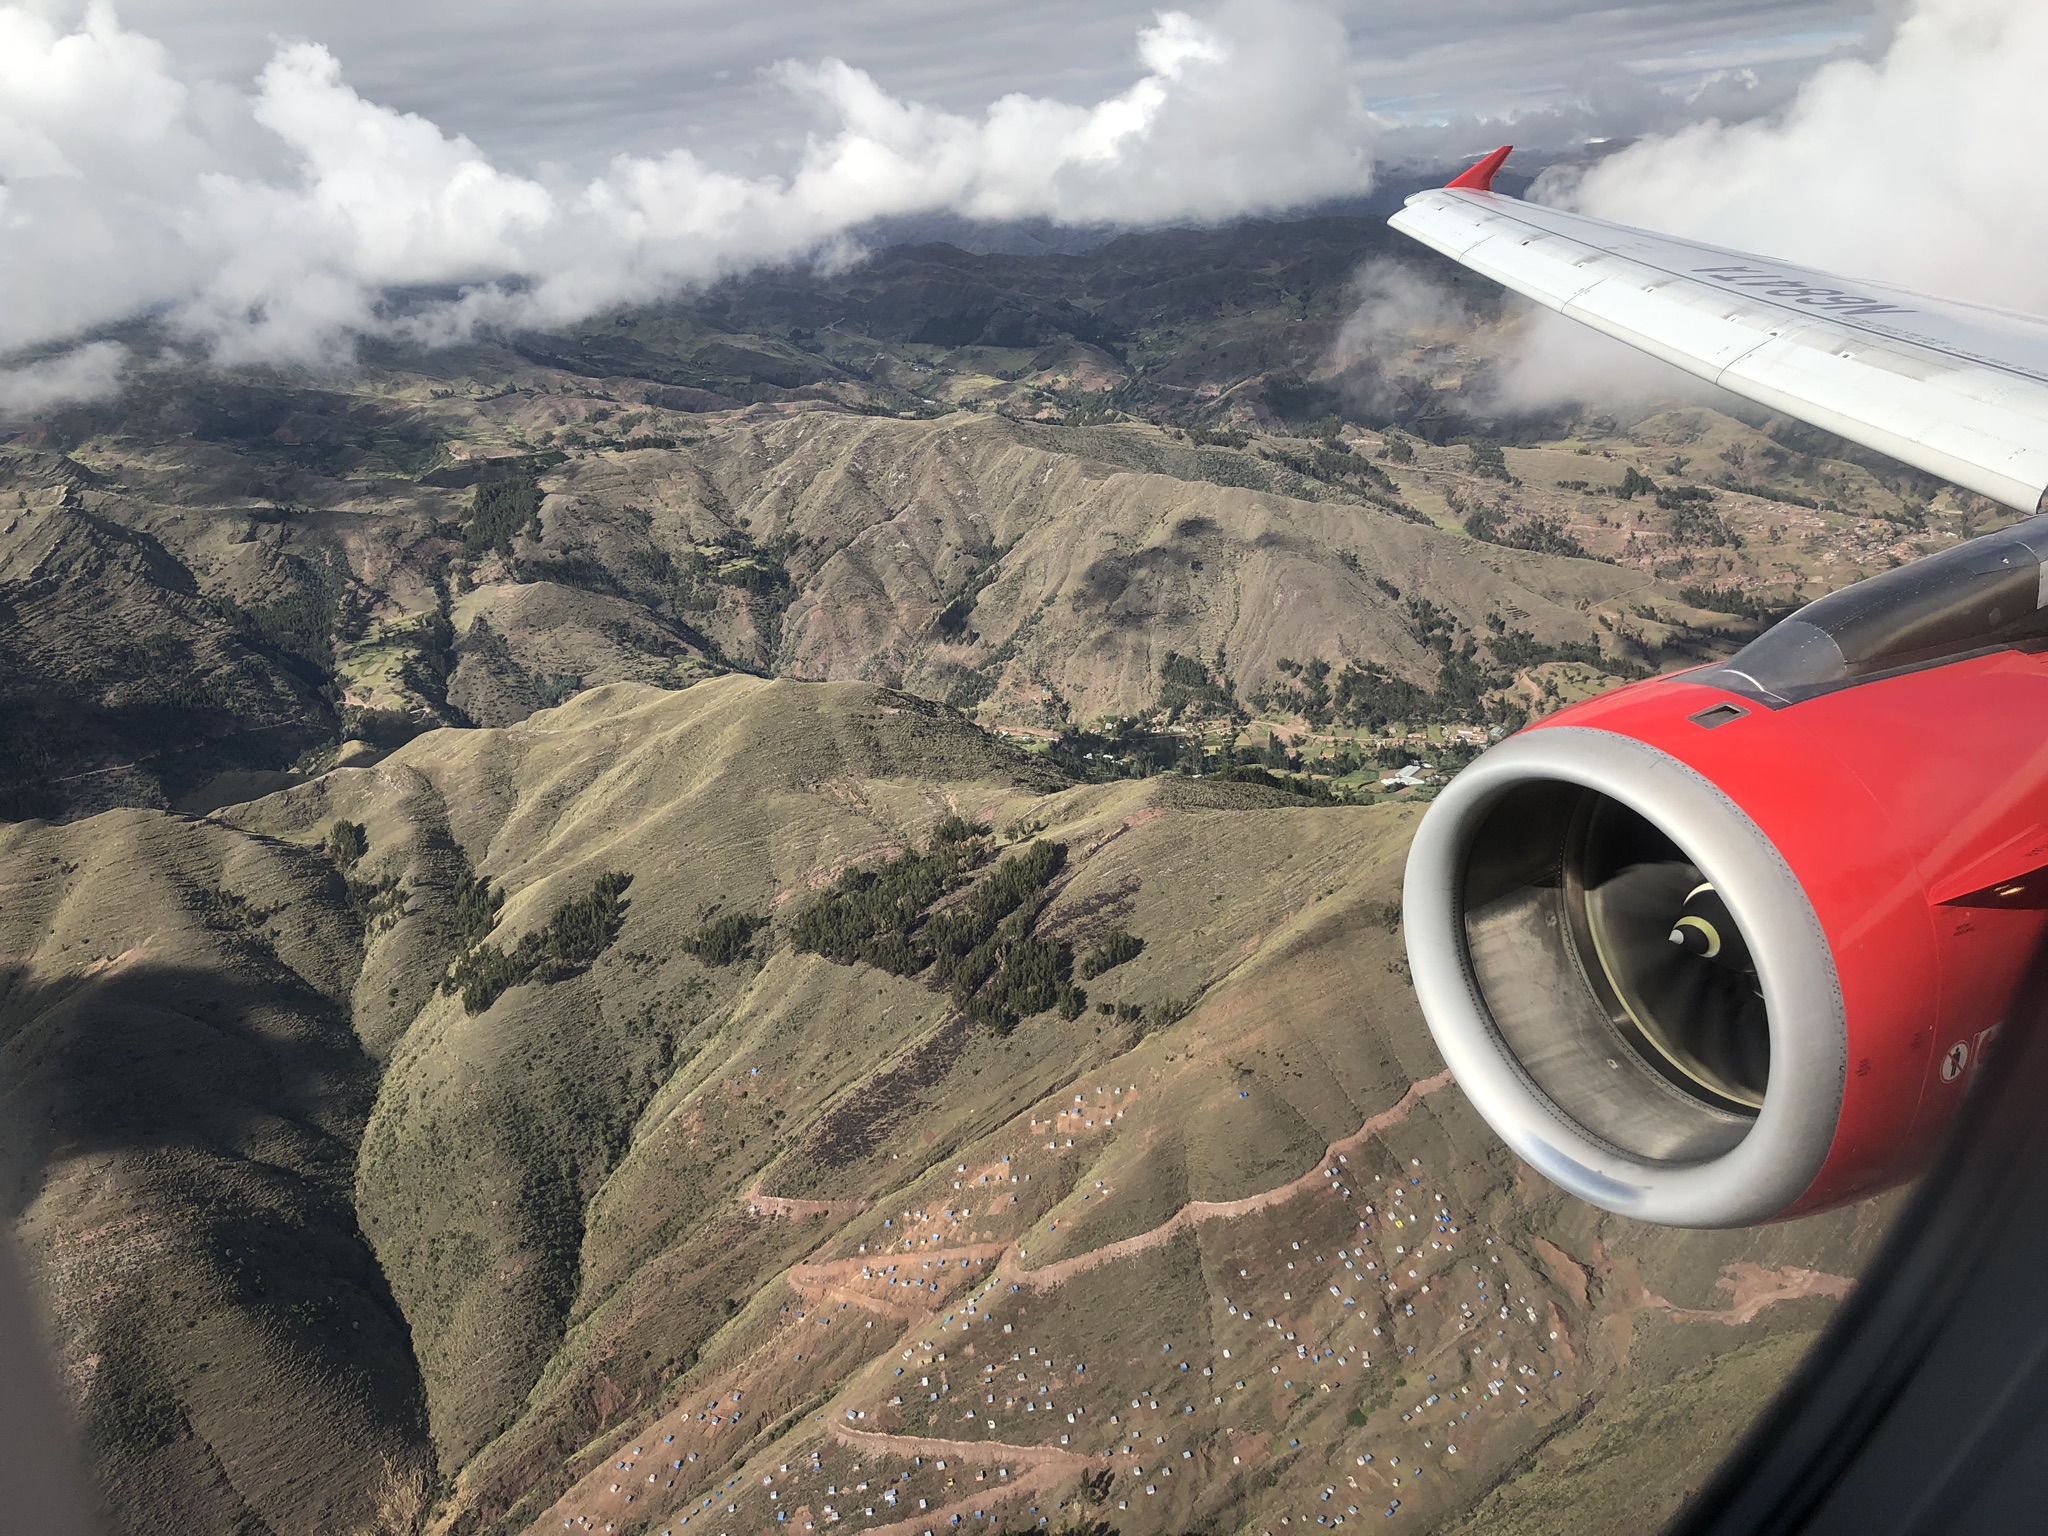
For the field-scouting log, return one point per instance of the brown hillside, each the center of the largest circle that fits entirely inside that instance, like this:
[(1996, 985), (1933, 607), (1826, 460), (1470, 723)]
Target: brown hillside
[(181, 1097), (729, 1202)]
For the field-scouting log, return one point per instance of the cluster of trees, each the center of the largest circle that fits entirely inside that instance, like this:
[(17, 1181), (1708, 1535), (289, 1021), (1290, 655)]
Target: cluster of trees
[(1495, 522), (1751, 605), (1696, 522), (871, 912), (687, 583), (1306, 785), (377, 904), (1517, 648), (304, 620), (431, 659), (981, 947), (1323, 457), (581, 930), (347, 842), (1539, 533), (226, 911), (1187, 684), (476, 907), (1312, 689), (1333, 462), (1156, 1016), (1109, 954), (725, 939), (969, 689), (1693, 520), (1127, 748), (505, 502), (1367, 695), (1488, 460), (951, 624), (1635, 483), (1767, 493)]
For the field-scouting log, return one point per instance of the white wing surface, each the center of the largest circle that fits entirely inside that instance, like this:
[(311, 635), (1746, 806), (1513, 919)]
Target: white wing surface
[(1959, 390)]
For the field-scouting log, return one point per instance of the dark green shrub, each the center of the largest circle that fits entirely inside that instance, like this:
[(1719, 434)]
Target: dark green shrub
[(1488, 460), (725, 939), (1110, 953), (981, 948), (347, 841), (870, 911), (580, 931), (476, 907)]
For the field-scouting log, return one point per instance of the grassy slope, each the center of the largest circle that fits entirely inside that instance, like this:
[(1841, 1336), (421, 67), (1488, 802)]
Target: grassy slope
[(182, 1102), (1629, 1464), (727, 793), (1113, 555), (606, 1202)]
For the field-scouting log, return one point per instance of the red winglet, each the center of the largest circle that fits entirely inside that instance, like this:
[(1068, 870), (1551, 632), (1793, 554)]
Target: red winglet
[(1480, 177)]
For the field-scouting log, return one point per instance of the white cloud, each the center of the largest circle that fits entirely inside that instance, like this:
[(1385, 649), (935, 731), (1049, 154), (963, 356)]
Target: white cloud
[(90, 372), (1920, 167), (1548, 361), (97, 158), (271, 226), (1538, 359), (643, 76), (1916, 166)]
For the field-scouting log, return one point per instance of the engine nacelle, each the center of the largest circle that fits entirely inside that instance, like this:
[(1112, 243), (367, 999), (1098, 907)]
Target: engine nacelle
[(1730, 945)]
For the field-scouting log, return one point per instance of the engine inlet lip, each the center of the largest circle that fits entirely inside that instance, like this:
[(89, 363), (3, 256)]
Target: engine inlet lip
[(1784, 1150)]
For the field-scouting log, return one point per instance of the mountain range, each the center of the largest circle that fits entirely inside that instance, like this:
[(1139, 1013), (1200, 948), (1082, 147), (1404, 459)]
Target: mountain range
[(781, 910)]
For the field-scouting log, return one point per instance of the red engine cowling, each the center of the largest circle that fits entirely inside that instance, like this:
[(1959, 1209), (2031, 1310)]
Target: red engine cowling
[(1729, 945)]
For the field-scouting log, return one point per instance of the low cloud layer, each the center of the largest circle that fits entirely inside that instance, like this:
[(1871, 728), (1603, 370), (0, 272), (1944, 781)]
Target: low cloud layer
[(272, 225), (279, 216), (1921, 167), (90, 372), (1409, 330)]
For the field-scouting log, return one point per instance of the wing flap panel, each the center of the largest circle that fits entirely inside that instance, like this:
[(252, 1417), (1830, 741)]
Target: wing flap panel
[(1685, 328), (1957, 390), (1936, 423)]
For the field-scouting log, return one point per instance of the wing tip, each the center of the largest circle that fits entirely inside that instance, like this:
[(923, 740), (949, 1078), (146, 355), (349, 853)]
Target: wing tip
[(1480, 177)]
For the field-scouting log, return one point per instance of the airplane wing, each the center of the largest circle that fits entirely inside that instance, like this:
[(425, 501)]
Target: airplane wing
[(1959, 390)]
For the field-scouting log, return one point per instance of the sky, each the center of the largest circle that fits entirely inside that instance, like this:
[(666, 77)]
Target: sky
[(262, 178), (537, 81)]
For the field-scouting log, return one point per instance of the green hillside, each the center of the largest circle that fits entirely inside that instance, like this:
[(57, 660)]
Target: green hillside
[(781, 909), (477, 1258)]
